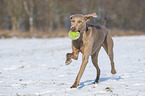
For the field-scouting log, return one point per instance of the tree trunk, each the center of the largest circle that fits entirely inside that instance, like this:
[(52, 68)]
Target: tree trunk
[(29, 11), (14, 24), (31, 23)]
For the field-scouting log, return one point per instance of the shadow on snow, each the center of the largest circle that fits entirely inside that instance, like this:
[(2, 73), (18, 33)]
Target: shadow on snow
[(91, 82)]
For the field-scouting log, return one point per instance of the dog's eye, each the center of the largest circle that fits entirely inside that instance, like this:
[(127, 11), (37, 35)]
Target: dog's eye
[(72, 21), (79, 21)]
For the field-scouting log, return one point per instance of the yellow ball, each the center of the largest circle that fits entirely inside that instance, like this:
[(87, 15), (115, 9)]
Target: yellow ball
[(74, 35)]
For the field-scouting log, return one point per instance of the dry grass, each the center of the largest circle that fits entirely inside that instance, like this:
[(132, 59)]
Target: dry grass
[(58, 33), (35, 34)]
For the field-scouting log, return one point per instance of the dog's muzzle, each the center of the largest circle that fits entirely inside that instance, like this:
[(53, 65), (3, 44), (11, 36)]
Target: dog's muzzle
[(73, 29)]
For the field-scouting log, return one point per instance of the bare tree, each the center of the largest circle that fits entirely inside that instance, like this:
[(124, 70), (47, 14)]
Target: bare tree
[(1, 13), (14, 8), (48, 15), (28, 6)]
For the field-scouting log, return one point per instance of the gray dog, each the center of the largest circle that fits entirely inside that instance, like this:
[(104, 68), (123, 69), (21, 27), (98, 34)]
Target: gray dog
[(89, 43)]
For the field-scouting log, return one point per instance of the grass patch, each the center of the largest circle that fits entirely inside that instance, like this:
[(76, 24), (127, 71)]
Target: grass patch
[(60, 33)]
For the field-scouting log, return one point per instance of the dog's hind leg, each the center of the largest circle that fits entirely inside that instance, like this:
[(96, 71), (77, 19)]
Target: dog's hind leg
[(94, 58), (108, 46)]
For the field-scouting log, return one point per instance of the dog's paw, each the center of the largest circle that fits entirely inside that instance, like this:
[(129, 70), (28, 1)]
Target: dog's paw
[(113, 71), (68, 62), (73, 86), (96, 81)]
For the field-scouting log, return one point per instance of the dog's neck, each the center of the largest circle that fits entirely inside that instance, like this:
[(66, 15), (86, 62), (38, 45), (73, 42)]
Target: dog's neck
[(84, 29), (79, 42)]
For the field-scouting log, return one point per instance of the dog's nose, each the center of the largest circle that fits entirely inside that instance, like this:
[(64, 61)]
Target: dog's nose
[(73, 29)]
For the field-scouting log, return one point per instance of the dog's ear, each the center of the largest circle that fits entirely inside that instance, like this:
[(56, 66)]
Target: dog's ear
[(91, 15), (87, 17)]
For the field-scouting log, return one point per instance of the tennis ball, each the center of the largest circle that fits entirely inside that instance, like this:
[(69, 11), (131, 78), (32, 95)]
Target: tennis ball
[(74, 35)]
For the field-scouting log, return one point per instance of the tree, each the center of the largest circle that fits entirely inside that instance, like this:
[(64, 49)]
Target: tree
[(28, 6), (14, 9)]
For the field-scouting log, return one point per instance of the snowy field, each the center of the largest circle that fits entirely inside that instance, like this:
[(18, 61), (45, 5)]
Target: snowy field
[(36, 67)]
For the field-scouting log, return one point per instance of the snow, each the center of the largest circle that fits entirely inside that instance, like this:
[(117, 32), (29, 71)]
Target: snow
[(36, 67)]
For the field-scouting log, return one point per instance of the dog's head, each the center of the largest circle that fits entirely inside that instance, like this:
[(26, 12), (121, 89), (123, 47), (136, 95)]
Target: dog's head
[(78, 21)]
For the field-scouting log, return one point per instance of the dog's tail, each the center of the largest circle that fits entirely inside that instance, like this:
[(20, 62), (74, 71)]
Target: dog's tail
[(105, 22)]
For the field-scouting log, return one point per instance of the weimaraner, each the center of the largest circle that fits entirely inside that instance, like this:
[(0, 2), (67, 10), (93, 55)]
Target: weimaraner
[(91, 39)]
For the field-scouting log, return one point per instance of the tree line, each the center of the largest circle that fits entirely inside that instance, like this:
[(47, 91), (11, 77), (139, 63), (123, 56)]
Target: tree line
[(49, 15)]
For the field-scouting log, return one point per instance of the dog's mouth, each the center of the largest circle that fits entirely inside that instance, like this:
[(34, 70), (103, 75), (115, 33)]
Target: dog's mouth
[(75, 31), (78, 30)]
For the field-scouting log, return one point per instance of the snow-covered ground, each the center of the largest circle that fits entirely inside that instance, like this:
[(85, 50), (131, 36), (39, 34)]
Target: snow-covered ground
[(36, 67)]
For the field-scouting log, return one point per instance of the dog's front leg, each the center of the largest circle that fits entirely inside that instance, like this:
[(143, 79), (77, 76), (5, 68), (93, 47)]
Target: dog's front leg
[(82, 68), (73, 55)]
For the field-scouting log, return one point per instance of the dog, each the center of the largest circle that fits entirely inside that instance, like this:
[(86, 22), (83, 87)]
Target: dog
[(92, 37)]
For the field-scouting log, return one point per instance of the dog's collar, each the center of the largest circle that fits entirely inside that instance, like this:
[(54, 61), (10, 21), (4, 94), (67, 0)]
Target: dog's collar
[(90, 25)]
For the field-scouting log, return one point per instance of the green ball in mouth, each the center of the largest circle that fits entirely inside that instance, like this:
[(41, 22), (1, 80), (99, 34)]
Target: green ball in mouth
[(74, 35)]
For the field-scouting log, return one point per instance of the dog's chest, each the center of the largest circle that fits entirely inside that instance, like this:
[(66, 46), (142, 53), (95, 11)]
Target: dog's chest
[(77, 43)]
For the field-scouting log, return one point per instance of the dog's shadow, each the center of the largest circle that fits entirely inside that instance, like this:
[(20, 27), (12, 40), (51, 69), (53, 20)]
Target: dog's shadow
[(91, 82)]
